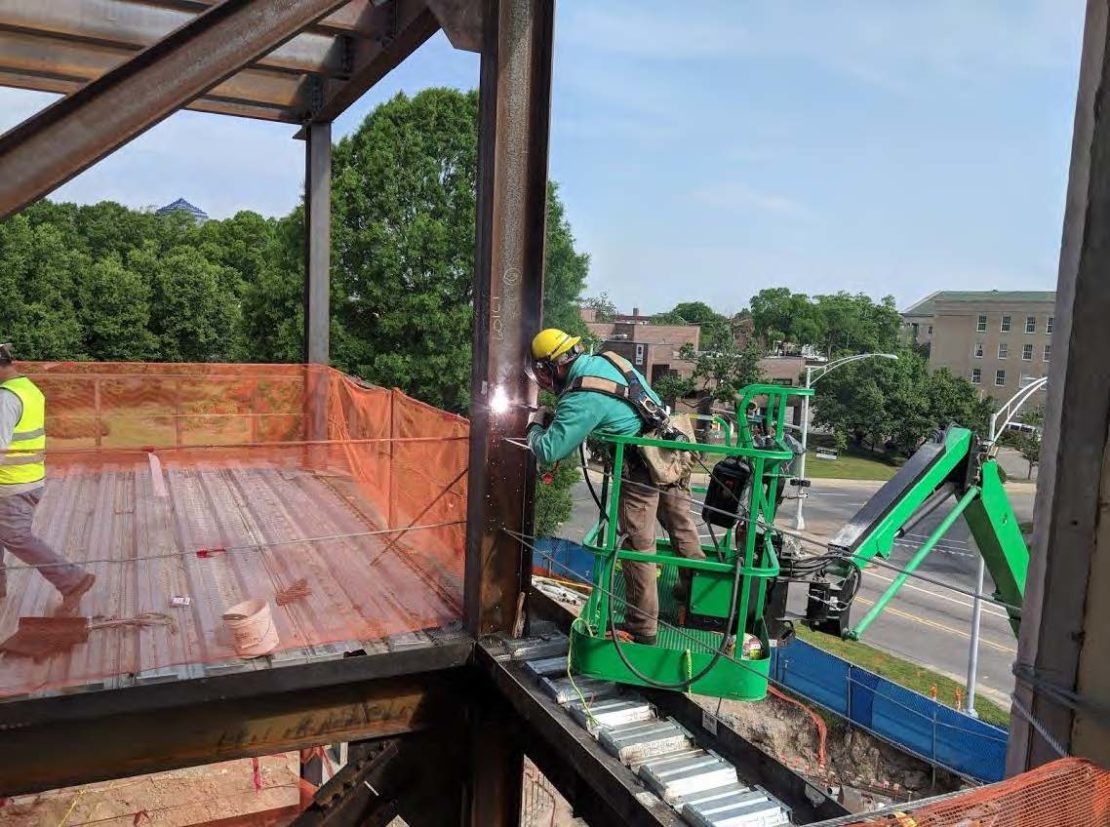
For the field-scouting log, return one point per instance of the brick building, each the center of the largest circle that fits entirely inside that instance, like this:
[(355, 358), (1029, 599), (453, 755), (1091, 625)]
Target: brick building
[(652, 348)]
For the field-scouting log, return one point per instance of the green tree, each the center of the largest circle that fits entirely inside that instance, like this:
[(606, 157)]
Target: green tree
[(722, 373), (716, 330), (602, 305), (193, 315), (114, 312), (273, 303), (403, 245), (565, 270), (876, 401), (671, 387), (775, 311), (39, 272), (837, 323), (857, 324)]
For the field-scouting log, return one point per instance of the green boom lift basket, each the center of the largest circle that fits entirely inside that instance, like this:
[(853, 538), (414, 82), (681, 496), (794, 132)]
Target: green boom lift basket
[(692, 651)]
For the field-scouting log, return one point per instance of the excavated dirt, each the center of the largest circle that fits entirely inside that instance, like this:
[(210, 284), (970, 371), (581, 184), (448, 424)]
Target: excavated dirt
[(872, 769)]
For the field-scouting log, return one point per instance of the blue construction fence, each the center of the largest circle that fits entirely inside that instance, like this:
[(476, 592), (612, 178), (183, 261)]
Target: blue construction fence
[(918, 724), (908, 719)]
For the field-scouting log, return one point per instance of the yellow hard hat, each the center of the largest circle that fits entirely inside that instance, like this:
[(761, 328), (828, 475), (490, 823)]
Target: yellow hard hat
[(552, 343)]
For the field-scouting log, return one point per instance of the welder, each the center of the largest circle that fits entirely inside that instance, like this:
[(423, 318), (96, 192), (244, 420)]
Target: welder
[(605, 394)]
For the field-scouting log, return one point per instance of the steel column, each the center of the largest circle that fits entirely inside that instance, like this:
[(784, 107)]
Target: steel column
[(317, 202), (48, 149), (515, 102), (1065, 628), (514, 112)]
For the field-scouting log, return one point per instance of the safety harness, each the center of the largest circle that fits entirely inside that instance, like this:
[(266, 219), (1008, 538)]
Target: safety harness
[(667, 466), (652, 416)]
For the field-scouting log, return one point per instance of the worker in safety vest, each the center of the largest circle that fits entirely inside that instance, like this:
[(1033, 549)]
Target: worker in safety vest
[(22, 479), (584, 384)]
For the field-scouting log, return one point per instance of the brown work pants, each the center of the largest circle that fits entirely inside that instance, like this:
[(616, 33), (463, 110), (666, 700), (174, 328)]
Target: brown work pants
[(641, 503)]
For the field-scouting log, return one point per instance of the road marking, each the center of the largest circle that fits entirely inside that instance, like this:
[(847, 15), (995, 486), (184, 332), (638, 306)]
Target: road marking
[(987, 607), (933, 624)]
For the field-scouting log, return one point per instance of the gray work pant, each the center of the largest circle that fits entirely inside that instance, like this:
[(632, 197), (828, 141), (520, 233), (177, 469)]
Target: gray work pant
[(641, 503), (17, 512)]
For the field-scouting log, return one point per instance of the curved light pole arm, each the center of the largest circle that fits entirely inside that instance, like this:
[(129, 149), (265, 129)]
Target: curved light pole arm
[(811, 379)]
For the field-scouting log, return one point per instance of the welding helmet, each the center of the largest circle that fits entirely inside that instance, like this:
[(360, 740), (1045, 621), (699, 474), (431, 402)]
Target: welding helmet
[(551, 349)]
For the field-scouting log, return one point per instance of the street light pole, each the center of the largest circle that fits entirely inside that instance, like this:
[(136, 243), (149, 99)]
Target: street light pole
[(811, 380), (1006, 413), (973, 654), (799, 518)]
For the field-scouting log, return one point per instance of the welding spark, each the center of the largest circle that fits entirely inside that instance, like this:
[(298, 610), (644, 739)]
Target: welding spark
[(499, 401)]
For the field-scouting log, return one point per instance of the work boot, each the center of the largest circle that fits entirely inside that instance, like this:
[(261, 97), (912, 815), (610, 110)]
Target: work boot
[(681, 588), (627, 635), (71, 599)]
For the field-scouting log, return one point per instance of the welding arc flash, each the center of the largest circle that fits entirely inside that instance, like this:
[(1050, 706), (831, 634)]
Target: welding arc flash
[(499, 401)]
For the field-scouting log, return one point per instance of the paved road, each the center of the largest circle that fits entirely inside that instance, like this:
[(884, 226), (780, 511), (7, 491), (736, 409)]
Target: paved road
[(925, 623)]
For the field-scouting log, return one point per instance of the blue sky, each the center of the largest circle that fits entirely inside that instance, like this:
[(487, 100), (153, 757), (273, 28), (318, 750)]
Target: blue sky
[(708, 150)]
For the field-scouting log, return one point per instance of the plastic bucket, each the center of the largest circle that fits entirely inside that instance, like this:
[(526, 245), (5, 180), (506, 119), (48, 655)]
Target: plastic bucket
[(252, 628)]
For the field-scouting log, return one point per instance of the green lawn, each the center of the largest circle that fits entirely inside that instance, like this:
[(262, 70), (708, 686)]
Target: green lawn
[(903, 672), (848, 466)]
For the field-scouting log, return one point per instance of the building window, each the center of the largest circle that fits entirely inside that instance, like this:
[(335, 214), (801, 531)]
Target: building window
[(1003, 350), (1000, 377), (930, 330), (639, 354), (1048, 325), (1047, 352), (1005, 324), (1026, 380), (1030, 324), (1027, 353), (981, 325), (976, 376), (978, 350)]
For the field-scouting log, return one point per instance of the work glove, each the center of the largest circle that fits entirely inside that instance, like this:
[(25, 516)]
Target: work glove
[(540, 417)]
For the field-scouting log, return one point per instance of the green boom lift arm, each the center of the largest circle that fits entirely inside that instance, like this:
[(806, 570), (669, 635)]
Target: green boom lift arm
[(951, 464)]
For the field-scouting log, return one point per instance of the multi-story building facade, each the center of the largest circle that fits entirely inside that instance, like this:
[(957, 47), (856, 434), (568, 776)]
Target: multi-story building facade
[(998, 340), (652, 348)]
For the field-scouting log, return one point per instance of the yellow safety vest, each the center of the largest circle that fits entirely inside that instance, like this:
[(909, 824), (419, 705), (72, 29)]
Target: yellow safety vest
[(24, 461)]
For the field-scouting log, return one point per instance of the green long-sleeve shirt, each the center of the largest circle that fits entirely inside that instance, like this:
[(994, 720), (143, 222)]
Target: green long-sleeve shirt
[(581, 413)]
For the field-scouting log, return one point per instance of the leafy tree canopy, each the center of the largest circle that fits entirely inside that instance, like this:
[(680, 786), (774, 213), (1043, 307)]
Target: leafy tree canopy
[(835, 324), (602, 306), (876, 401)]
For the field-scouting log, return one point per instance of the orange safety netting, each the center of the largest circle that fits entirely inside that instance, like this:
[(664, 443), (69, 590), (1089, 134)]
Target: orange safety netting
[(1070, 792), (188, 488)]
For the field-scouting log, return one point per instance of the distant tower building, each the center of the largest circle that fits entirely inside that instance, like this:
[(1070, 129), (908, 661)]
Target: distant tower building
[(198, 215)]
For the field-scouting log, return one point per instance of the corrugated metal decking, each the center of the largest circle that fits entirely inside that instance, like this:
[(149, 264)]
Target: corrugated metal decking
[(701, 786), (149, 543)]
